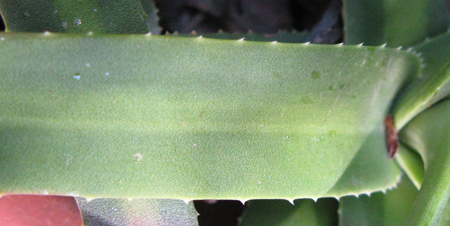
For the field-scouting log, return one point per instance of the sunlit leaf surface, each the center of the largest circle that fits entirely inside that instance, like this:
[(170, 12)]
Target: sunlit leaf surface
[(114, 116)]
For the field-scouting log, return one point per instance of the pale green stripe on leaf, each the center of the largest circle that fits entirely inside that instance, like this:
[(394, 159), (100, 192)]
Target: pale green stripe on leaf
[(115, 116), (305, 212), (137, 212), (433, 83), (394, 22), (429, 134), (379, 209), (81, 16)]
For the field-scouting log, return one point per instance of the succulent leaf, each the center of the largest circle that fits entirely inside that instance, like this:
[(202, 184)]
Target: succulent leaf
[(110, 116), (429, 134)]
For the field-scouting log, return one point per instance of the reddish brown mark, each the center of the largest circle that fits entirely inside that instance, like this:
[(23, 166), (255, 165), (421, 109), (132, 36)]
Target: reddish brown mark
[(391, 135)]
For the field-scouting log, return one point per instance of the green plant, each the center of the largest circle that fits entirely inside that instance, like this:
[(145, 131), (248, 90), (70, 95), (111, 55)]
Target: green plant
[(160, 119)]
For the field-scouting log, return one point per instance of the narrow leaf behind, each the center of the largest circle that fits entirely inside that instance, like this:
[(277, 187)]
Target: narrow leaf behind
[(137, 212), (81, 16)]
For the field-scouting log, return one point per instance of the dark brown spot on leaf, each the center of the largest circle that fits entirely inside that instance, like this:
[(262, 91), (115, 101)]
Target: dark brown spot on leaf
[(391, 135)]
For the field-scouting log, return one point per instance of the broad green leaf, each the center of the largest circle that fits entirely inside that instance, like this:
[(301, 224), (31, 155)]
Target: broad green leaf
[(67, 16), (411, 163), (394, 22), (281, 212), (432, 84), (429, 134), (115, 116), (379, 209), (137, 212), (152, 17)]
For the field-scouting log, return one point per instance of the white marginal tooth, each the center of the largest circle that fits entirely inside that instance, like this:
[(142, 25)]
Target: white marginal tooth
[(291, 201), (315, 199), (399, 48), (201, 36), (47, 33), (307, 43), (340, 44), (186, 201), (243, 201), (274, 42), (384, 45), (242, 39), (409, 49), (90, 33), (361, 44), (148, 34)]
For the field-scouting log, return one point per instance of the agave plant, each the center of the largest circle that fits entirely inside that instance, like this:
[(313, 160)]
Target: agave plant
[(137, 125)]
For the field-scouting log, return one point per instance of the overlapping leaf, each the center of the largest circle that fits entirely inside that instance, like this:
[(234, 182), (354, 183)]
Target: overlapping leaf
[(379, 209), (433, 83), (429, 134), (393, 22)]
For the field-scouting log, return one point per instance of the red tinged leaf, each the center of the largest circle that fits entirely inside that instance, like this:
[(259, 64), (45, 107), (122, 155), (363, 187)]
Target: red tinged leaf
[(391, 135)]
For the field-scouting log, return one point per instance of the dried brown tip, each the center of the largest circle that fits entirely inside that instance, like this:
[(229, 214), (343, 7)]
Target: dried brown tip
[(391, 135)]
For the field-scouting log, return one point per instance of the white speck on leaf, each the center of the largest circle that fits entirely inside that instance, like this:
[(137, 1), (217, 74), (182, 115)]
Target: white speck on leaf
[(138, 157), (69, 158)]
